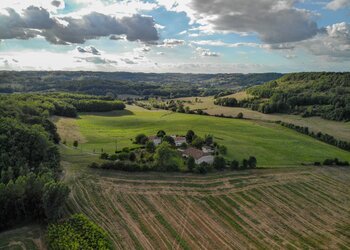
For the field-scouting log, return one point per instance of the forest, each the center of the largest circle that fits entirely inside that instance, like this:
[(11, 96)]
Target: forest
[(308, 94), (122, 83), (30, 189)]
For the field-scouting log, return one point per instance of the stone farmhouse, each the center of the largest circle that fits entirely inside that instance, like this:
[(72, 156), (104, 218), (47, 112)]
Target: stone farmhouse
[(198, 155)]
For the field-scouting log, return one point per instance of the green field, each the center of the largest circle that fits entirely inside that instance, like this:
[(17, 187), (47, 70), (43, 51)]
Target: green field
[(272, 144), (340, 130)]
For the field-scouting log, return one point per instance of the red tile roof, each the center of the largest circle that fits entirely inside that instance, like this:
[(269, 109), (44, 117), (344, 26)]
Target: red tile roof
[(194, 152), (153, 137), (180, 138)]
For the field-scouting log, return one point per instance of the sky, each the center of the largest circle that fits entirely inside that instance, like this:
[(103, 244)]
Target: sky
[(187, 36)]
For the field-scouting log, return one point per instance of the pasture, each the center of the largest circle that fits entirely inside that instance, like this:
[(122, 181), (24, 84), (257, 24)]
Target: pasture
[(293, 207), (271, 144), (340, 130)]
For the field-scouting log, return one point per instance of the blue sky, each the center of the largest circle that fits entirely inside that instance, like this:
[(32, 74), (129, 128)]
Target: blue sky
[(197, 36)]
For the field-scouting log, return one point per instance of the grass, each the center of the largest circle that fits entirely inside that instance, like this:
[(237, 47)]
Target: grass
[(270, 143), (340, 130)]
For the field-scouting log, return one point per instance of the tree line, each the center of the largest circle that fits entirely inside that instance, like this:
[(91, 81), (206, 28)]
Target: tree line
[(29, 157), (29, 166), (60, 104), (329, 139), (115, 84)]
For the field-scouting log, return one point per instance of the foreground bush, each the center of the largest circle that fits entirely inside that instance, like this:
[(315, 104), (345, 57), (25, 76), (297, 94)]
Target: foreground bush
[(78, 232)]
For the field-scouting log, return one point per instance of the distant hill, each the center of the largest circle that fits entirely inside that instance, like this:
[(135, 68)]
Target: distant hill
[(125, 83), (309, 94)]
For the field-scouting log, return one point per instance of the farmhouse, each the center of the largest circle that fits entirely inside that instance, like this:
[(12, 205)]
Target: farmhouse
[(198, 155), (155, 139), (179, 140)]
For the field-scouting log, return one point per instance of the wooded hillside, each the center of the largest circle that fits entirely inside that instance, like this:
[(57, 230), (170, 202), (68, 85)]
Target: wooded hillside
[(309, 94)]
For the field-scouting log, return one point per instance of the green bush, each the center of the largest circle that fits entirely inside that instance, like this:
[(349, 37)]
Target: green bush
[(78, 232)]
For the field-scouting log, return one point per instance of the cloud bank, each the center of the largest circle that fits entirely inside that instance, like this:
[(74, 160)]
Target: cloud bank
[(36, 21)]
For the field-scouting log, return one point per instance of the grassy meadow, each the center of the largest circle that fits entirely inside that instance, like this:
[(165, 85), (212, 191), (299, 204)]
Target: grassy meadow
[(280, 208), (271, 144), (340, 130)]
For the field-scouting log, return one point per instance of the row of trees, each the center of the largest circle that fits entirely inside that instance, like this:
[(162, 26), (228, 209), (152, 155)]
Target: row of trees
[(61, 104), (333, 162), (227, 102), (319, 136), (220, 163)]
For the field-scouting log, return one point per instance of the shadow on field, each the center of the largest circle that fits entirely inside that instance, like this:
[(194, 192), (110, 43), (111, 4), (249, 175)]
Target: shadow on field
[(112, 113)]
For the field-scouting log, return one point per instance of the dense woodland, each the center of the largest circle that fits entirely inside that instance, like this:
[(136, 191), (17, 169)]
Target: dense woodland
[(29, 156), (308, 94), (122, 83)]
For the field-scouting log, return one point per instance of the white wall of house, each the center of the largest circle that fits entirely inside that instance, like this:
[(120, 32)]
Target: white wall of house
[(179, 142), (208, 159), (157, 141), (207, 150)]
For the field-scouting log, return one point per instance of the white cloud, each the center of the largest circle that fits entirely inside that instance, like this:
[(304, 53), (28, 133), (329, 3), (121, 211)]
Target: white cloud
[(220, 43), (89, 49), (338, 4), (144, 49), (35, 21), (171, 43), (206, 52), (333, 43), (274, 21)]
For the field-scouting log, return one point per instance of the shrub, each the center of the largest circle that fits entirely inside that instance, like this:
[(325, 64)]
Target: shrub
[(150, 147), (335, 162), (208, 140), (104, 156), (141, 139), (252, 162), (191, 164), (244, 164), (161, 133), (198, 142), (219, 163), (169, 140), (78, 232), (222, 149), (132, 156), (202, 168), (190, 136), (240, 115), (123, 156), (234, 165)]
